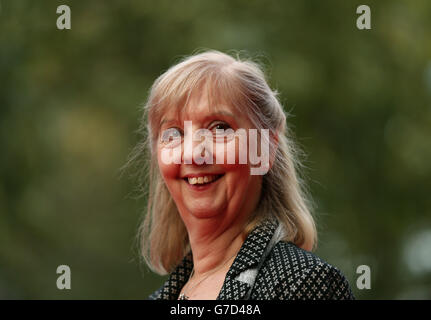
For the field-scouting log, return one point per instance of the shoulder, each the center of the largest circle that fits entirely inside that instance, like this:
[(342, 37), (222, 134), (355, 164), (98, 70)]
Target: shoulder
[(290, 272)]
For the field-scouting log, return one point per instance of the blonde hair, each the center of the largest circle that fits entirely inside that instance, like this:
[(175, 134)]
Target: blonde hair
[(239, 83)]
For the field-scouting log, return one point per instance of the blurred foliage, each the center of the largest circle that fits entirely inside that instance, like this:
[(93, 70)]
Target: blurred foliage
[(69, 108)]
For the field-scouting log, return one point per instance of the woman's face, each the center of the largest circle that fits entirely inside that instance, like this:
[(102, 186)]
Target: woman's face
[(221, 190)]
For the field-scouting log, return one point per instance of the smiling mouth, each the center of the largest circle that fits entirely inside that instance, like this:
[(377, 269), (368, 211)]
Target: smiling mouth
[(203, 180)]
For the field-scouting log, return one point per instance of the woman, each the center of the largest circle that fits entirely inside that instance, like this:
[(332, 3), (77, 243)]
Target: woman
[(227, 217)]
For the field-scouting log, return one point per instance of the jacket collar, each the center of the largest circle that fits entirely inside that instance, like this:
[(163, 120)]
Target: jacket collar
[(248, 257)]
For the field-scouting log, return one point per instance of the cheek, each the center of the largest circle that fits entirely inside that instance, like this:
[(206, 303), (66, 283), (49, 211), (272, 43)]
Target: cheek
[(237, 173), (246, 153), (233, 156), (168, 171)]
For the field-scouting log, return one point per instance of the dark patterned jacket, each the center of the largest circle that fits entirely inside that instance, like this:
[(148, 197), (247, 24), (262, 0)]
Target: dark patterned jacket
[(266, 268)]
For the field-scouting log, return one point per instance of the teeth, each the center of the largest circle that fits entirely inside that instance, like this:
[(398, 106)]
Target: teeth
[(201, 180)]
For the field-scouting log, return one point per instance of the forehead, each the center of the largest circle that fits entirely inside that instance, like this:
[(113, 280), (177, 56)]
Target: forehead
[(201, 105), (197, 106)]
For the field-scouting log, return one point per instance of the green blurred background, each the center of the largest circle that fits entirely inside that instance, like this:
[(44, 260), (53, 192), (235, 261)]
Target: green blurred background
[(69, 111)]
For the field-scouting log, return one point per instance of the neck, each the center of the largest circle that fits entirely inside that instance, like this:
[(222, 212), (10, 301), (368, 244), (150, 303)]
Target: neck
[(213, 244)]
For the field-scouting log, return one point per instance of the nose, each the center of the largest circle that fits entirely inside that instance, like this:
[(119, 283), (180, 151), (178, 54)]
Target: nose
[(197, 148)]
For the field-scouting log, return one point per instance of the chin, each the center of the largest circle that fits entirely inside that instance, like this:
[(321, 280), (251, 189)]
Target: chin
[(204, 211)]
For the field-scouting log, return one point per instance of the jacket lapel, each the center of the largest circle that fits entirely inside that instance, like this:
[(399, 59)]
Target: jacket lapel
[(248, 257), (177, 279)]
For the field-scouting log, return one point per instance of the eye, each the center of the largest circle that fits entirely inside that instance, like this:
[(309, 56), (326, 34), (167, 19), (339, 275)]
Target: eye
[(221, 130), (220, 126), (171, 137)]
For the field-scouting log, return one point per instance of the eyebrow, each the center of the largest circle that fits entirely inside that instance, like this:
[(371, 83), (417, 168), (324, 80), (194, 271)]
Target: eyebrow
[(224, 113)]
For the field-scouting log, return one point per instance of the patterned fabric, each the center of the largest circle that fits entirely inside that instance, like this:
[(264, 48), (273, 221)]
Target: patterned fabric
[(285, 272)]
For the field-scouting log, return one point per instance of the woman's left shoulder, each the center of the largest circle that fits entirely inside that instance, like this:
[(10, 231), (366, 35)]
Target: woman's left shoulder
[(299, 274)]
